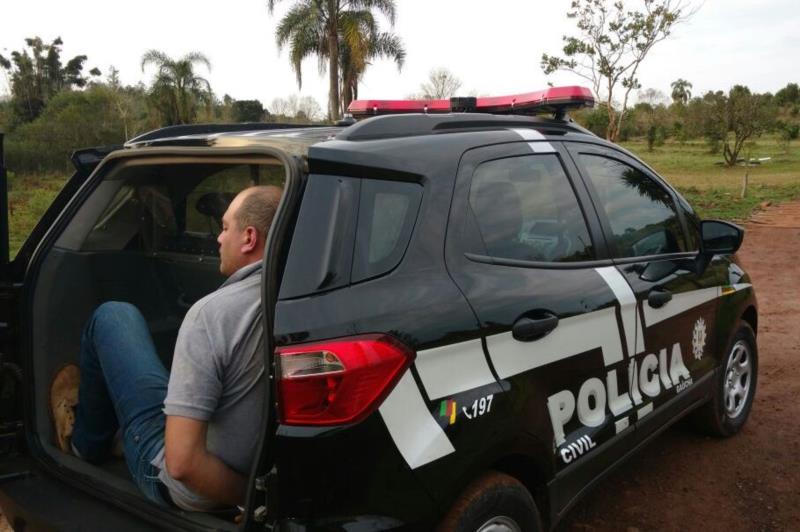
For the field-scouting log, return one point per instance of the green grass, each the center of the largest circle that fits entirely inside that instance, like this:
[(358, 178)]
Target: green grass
[(714, 190), (28, 198)]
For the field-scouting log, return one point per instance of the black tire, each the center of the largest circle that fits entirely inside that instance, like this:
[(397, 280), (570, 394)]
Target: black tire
[(715, 418), (494, 497)]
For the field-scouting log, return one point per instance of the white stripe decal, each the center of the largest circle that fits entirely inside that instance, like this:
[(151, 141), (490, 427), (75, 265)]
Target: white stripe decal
[(646, 409), (453, 368), (528, 134), (573, 336), (627, 301), (418, 436), (741, 286), (621, 424), (541, 147), (679, 303)]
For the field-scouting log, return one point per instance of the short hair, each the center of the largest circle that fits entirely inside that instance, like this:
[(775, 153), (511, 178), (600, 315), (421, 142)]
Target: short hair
[(258, 207)]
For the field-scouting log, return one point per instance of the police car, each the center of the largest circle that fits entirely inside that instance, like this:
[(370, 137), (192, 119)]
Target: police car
[(476, 310)]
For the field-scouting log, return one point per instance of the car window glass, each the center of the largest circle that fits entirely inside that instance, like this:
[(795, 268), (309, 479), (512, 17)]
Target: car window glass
[(386, 214), (525, 209), (175, 208), (640, 211), (692, 225)]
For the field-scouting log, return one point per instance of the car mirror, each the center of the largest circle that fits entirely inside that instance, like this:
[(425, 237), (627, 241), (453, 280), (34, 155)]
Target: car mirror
[(720, 238)]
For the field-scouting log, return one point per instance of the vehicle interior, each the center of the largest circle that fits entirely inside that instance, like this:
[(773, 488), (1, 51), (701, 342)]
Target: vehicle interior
[(146, 235)]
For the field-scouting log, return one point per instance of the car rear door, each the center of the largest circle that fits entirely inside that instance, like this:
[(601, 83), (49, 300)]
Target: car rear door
[(525, 248), (654, 239), (12, 275)]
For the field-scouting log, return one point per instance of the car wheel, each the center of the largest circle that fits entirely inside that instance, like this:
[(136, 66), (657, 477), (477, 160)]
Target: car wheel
[(727, 412), (495, 502)]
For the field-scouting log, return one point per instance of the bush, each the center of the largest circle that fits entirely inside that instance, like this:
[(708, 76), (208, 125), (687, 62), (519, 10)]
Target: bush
[(72, 120)]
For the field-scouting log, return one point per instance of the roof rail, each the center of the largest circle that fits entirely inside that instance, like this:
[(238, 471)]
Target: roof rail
[(208, 129)]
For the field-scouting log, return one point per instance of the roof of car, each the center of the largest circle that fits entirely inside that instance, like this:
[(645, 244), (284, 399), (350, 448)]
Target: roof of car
[(297, 139)]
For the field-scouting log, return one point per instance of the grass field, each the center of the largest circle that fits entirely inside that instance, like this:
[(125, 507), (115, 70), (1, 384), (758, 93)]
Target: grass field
[(714, 190)]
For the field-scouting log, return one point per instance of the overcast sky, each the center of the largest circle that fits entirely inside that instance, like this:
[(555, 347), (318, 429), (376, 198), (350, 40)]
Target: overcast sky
[(493, 47)]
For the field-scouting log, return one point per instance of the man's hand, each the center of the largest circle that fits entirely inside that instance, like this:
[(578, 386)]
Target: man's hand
[(189, 462)]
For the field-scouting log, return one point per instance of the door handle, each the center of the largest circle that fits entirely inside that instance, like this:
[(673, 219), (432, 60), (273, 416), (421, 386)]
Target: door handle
[(659, 297), (529, 329)]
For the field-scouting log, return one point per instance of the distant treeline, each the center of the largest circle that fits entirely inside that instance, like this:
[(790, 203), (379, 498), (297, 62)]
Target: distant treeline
[(726, 121), (54, 108)]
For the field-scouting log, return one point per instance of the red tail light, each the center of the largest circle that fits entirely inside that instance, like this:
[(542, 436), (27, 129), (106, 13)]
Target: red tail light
[(339, 381)]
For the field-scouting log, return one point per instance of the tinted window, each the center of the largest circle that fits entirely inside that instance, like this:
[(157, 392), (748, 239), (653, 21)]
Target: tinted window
[(640, 211), (692, 224), (175, 207), (525, 209), (386, 216)]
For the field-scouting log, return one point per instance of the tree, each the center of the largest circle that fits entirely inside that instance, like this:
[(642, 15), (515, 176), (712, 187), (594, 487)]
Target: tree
[(247, 111), (681, 91), (441, 84), (748, 115), (72, 119), (177, 90), (357, 53), (788, 95), (612, 45), (303, 109), (322, 28), (37, 74)]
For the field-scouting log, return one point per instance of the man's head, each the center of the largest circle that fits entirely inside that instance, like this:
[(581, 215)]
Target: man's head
[(244, 227)]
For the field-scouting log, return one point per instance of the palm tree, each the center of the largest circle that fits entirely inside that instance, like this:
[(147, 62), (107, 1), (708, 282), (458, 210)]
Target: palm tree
[(176, 88), (681, 91), (321, 28), (361, 43)]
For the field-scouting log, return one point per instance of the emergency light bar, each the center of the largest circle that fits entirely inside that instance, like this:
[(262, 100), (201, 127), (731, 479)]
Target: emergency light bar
[(555, 100)]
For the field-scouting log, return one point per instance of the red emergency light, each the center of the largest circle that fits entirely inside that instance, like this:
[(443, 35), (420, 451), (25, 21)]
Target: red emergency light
[(554, 99)]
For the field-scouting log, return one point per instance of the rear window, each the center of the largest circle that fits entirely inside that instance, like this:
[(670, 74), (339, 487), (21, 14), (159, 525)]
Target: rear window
[(348, 230), (386, 215)]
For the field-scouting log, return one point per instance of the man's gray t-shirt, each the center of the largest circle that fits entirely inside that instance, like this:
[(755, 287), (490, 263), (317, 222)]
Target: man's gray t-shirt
[(217, 377)]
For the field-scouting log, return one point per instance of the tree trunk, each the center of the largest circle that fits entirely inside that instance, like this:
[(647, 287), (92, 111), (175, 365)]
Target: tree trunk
[(333, 65)]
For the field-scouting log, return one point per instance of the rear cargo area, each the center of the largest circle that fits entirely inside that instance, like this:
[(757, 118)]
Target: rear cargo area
[(145, 235)]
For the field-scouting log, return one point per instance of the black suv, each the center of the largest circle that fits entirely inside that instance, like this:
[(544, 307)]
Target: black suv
[(474, 316)]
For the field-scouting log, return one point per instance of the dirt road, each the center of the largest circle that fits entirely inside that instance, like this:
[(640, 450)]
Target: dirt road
[(683, 481), (752, 481)]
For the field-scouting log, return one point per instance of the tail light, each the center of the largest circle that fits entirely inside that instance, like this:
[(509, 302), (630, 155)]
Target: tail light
[(339, 381)]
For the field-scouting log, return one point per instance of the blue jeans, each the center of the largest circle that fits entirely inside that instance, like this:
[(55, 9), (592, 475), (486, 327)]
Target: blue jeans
[(123, 386)]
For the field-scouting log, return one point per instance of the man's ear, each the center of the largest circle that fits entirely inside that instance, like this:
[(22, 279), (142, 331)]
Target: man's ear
[(250, 241)]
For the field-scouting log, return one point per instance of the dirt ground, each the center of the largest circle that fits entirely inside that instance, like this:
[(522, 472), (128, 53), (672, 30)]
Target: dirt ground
[(683, 481), (750, 482)]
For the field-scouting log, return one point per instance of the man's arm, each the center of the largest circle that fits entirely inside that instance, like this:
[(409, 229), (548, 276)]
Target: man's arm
[(189, 461)]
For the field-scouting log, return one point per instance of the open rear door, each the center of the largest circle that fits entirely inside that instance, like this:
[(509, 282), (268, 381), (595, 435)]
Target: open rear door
[(12, 281)]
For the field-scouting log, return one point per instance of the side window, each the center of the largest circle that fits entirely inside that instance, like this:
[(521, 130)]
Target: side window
[(206, 203), (692, 225), (386, 216), (640, 211), (525, 209), (174, 208)]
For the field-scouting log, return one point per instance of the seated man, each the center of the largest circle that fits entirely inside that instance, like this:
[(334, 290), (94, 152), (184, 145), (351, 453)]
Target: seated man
[(189, 437)]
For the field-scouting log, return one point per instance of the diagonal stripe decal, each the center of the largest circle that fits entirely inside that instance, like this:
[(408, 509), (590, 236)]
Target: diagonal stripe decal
[(627, 301), (453, 369), (418, 436), (528, 134)]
